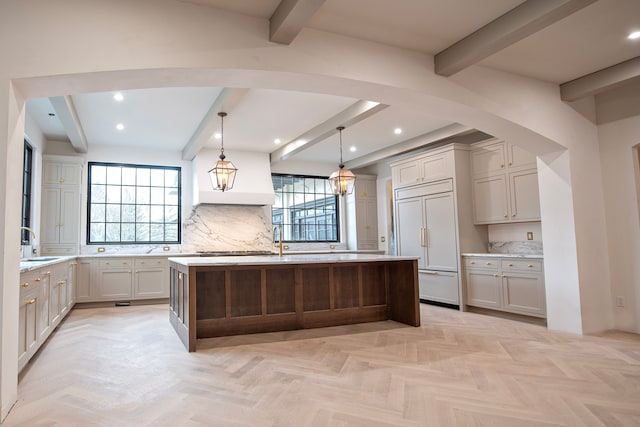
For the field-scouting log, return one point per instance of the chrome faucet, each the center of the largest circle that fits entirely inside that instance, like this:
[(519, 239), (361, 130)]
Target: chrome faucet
[(279, 244)]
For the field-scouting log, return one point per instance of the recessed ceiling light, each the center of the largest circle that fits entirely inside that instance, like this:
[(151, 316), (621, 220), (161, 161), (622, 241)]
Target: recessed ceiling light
[(397, 131), (120, 126), (634, 35), (277, 141), (352, 149), (118, 97), (217, 135)]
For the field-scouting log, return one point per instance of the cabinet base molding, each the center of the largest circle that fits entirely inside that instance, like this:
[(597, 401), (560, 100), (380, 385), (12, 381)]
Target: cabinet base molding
[(507, 315), (101, 304), (439, 304)]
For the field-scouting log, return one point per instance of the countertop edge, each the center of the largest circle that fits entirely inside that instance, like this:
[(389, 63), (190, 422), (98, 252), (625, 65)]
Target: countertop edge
[(495, 255), (286, 259)]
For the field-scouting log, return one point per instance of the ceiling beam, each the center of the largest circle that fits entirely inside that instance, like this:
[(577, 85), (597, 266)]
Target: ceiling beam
[(347, 117), (66, 111), (429, 138), (226, 101), (290, 17), (600, 81), (518, 23)]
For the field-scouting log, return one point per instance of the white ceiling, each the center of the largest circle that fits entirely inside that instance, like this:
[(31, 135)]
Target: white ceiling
[(591, 39)]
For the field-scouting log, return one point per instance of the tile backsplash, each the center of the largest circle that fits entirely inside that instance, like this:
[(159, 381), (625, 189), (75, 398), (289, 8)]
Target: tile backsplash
[(530, 247)]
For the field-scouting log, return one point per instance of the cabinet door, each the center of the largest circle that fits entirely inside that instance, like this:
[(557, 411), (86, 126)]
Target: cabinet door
[(409, 223), (366, 188), (406, 174), (71, 283), (366, 223), (44, 320), (437, 166), (490, 200), (518, 157), (114, 284), (51, 172), (49, 229), (524, 293), (151, 278), (55, 301), (83, 282), (439, 286), (69, 213), (488, 159), (440, 238), (483, 289), (27, 328), (69, 174), (525, 198)]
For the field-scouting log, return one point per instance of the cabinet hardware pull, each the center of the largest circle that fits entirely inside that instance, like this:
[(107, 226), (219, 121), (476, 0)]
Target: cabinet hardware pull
[(179, 275), (25, 285), (496, 275), (73, 263), (506, 216), (530, 265), (472, 262), (504, 275), (61, 180), (48, 273), (488, 263), (510, 265), (513, 215), (31, 301), (502, 165), (426, 237), (434, 273), (141, 262), (62, 282), (421, 236), (37, 279), (510, 163), (107, 262)]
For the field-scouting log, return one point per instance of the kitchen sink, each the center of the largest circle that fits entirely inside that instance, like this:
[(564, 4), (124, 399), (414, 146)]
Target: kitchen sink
[(40, 259)]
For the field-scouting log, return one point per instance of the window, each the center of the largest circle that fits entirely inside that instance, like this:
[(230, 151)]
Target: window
[(305, 208), (133, 204), (27, 175)]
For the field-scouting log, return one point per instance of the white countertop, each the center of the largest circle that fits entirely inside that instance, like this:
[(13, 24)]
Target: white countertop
[(33, 263), (286, 259), (494, 255)]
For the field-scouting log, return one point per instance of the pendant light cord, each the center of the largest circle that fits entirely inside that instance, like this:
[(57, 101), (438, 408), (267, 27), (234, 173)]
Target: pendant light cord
[(340, 129), (222, 115)]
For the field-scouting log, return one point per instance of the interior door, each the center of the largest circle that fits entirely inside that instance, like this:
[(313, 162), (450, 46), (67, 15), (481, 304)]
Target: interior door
[(442, 253), (409, 224)]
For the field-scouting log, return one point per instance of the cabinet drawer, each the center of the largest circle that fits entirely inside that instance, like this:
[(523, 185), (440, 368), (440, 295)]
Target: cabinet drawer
[(521, 265), (151, 262), (439, 286), (482, 263), (115, 263)]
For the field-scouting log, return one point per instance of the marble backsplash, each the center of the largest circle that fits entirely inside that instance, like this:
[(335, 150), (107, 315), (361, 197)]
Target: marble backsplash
[(522, 248), (213, 228)]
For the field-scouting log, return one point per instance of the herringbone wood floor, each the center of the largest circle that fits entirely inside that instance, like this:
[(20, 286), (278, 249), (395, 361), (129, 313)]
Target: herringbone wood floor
[(125, 366)]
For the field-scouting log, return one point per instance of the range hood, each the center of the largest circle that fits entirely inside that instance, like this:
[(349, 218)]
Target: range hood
[(253, 181)]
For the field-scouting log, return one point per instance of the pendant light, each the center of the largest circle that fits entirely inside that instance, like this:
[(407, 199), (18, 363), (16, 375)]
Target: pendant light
[(342, 181), (223, 173)]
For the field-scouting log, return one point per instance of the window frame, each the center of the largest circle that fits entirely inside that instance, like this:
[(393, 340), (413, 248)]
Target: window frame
[(27, 192), (134, 242), (292, 221)]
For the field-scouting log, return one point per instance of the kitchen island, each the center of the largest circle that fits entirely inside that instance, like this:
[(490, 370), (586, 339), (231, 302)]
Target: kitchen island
[(219, 296)]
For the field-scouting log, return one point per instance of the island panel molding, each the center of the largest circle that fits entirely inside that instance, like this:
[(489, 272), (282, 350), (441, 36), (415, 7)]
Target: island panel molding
[(212, 297)]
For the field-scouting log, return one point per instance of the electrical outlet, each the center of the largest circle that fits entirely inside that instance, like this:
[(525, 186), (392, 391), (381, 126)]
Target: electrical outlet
[(383, 239), (166, 248), (620, 301), (100, 249), (529, 235)]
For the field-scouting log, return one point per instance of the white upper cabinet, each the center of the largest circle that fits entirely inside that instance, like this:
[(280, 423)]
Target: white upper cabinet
[(61, 171), (423, 168), (505, 183)]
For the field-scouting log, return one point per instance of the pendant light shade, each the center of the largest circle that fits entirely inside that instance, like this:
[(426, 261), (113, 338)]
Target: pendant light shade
[(343, 180), (223, 173)]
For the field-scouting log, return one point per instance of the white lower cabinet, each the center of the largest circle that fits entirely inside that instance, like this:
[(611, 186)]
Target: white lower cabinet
[(122, 279), (151, 278), (44, 301), (515, 285), (440, 286)]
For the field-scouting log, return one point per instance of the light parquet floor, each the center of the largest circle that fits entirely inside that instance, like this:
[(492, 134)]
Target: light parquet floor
[(124, 366)]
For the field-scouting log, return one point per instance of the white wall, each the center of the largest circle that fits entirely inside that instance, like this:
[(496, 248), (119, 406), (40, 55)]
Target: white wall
[(619, 165)]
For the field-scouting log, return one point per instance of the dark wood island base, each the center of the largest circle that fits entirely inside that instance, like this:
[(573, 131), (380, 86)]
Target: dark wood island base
[(212, 299)]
